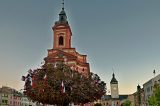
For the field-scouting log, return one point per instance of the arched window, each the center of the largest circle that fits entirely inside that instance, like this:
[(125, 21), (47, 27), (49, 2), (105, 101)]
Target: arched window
[(61, 40)]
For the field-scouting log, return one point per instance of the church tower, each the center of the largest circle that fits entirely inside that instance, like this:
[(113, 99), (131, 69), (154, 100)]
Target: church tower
[(62, 32), (114, 87), (62, 50)]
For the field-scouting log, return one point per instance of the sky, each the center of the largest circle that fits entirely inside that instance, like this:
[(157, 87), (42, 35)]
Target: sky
[(116, 35)]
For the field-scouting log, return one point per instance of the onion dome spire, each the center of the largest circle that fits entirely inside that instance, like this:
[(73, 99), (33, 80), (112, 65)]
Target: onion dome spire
[(62, 15)]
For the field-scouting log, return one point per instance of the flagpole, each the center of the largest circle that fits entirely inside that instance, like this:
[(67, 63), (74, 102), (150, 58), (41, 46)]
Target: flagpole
[(154, 72)]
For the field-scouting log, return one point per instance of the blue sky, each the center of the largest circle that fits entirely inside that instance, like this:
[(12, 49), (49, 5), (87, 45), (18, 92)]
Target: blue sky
[(119, 35)]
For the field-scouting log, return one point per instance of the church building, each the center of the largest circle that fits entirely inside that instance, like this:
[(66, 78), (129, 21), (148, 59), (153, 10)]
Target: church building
[(62, 50)]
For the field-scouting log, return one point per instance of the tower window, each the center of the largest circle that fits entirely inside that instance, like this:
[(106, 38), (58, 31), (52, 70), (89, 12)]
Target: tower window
[(62, 18), (61, 40)]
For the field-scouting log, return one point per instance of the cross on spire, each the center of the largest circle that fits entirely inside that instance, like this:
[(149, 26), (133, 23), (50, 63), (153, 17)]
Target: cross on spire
[(62, 4)]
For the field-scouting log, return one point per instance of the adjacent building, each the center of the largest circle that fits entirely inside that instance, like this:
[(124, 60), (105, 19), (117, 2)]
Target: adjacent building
[(149, 87), (11, 97), (25, 101), (5, 93), (131, 99), (139, 97)]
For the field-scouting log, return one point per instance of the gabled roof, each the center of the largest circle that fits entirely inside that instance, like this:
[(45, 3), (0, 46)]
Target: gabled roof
[(61, 54)]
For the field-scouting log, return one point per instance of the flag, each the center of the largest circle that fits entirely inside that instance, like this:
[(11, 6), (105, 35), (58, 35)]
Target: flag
[(33, 82), (65, 60), (72, 74), (45, 77), (71, 88), (30, 79), (55, 65), (81, 76), (62, 87)]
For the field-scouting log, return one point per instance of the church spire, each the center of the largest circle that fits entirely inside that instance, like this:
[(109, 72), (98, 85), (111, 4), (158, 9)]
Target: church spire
[(113, 80), (62, 39), (62, 15), (62, 31)]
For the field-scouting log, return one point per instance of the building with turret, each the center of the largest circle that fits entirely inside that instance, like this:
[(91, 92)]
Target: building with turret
[(114, 99)]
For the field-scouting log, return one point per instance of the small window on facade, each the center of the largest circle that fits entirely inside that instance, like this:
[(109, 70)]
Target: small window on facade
[(6, 101), (61, 40)]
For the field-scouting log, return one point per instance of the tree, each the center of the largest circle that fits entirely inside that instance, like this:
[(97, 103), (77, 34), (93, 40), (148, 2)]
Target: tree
[(58, 84), (127, 103), (154, 100)]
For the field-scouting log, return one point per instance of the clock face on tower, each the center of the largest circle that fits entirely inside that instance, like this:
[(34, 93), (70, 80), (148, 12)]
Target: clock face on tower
[(114, 88)]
